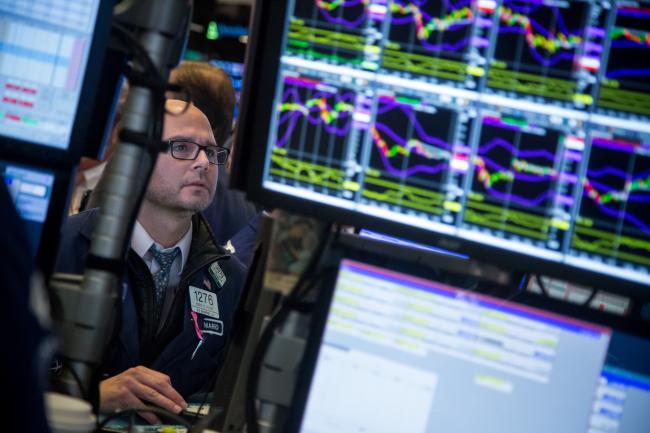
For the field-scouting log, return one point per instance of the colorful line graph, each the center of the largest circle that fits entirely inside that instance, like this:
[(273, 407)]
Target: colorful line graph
[(515, 177), (325, 44), (349, 13), (451, 19), (556, 45), (625, 248), (612, 191), (425, 65), (499, 161), (614, 219), (541, 47), (410, 154), (339, 31), (314, 121), (396, 193), (416, 152), (513, 221), (302, 100), (627, 84), (638, 43), (433, 38), (602, 194), (314, 174)]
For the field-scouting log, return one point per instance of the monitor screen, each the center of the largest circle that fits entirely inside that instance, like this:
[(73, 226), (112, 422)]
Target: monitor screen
[(400, 353), (517, 125), (235, 71), (44, 49), (621, 402), (31, 192)]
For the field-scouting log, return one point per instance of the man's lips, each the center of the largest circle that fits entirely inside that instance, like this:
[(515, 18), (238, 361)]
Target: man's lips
[(197, 184)]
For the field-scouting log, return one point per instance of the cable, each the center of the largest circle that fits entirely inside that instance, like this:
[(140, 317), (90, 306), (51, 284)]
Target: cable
[(327, 235), (203, 423), (252, 383), (542, 286), (290, 304), (196, 418), (591, 297), (82, 391), (545, 291), (199, 423)]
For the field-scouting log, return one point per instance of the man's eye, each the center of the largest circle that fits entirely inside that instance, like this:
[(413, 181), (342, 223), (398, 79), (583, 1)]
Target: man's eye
[(181, 147), (210, 151)]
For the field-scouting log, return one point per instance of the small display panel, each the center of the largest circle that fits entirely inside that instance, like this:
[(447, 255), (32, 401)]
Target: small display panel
[(621, 402), (31, 191)]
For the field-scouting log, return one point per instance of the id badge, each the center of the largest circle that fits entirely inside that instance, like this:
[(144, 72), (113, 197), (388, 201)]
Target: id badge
[(217, 274), (204, 302)]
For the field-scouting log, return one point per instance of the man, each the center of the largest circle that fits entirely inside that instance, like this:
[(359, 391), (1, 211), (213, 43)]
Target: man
[(230, 215), (181, 288)]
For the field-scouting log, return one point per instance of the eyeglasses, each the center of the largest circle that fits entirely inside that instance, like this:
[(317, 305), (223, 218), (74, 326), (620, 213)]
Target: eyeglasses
[(188, 150)]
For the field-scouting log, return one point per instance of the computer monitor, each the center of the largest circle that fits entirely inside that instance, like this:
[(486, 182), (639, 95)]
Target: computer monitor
[(517, 131), (402, 353), (51, 56), (51, 59)]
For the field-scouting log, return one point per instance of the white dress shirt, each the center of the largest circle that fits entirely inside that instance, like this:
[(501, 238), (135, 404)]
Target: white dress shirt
[(141, 241), (90, 179)]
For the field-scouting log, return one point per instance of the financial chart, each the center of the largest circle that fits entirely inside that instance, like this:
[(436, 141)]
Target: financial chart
[(540, 49), (519, 124), (433, 39)]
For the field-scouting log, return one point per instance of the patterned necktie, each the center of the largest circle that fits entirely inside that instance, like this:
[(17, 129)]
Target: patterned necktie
[(165, 258)]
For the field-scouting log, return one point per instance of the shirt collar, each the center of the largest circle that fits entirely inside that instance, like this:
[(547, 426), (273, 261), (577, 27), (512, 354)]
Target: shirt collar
[(141, 242), (93, 174)]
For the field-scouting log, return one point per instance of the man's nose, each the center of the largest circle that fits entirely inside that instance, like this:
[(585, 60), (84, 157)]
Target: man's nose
[(202, 160)]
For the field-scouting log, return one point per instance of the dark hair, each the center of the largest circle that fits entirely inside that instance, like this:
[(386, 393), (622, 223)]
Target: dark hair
[(211, 91)]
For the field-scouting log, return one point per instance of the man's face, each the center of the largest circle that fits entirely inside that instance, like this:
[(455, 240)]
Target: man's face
[(184, 185)]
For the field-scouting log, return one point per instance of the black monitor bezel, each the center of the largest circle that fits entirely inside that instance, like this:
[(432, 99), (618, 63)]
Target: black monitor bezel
[(260, 81), (52, 157), (57, 212)]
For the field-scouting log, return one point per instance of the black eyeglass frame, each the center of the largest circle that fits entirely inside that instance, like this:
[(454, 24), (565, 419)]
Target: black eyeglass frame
[(199, 148)]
